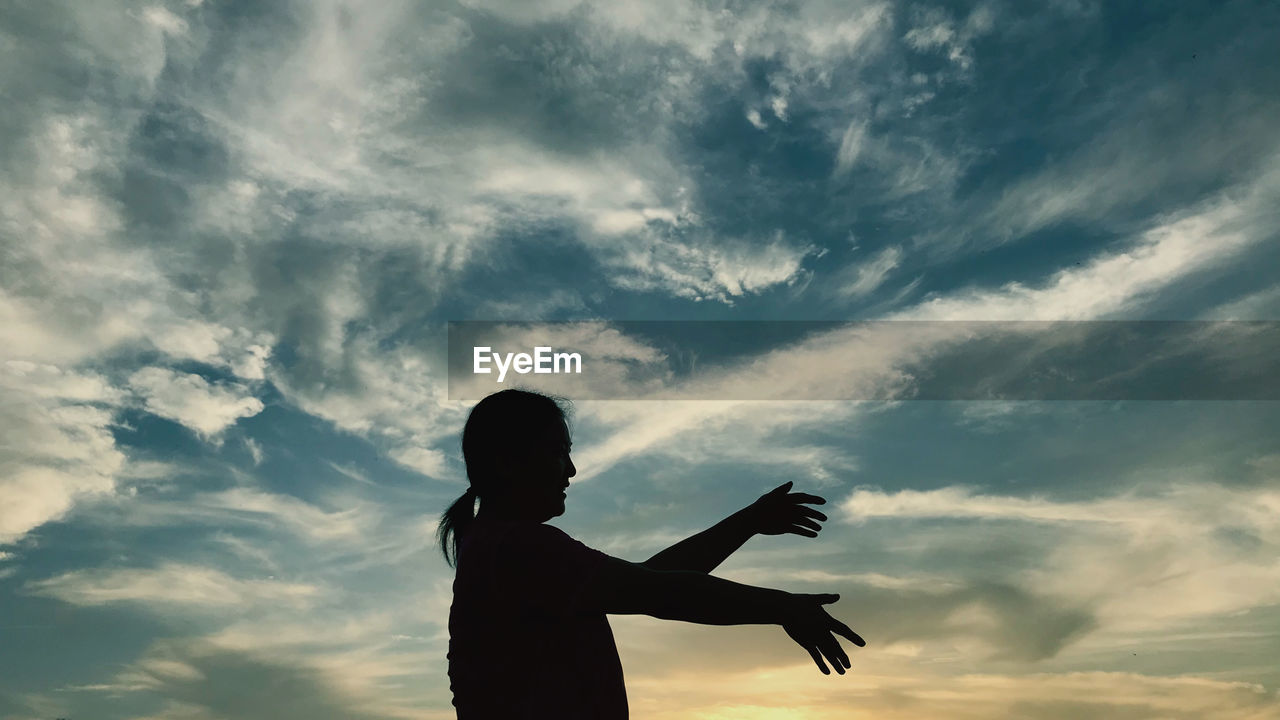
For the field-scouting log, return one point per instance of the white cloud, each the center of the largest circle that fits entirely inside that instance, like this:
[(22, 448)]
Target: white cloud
[(850, 146), (58, 281), (58, 445), (935, 30), (1260, 305), (192, 401), (1115, 283), (1143, 561), (810, 31), (940, 33), (165, 20), (698, 271), (241, 351), (303, 518), (863, 278), (78, 289), (37, 494), (326, 130), (960, 502), (700, 431), (869, 361), (750, 270), (50, 382), (339, 522), (255, 450), (396, 398), (832, 30), (320, 135), (170, 584), (778, 104), (428, 461), (1127, 165), (341, 667), (890, 689), (543, 181)]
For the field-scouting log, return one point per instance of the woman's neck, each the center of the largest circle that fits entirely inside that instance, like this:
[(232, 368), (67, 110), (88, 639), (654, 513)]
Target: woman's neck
[(494, 510)]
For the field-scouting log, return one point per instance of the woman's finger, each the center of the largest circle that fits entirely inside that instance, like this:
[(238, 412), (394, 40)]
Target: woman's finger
[(831, 649), (841, 656), (810, 512), (781, 489), (806, 522), (840, 628), (807, 498), (801, 530), (817, 658)]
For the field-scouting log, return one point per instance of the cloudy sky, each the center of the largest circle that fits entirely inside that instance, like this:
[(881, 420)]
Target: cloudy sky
[(234, 233)]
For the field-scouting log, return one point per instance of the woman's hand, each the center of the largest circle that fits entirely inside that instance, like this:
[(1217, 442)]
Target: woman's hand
[(780, 511), (815, 631)]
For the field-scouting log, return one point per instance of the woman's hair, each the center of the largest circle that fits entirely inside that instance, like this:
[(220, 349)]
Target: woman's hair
[(504, 424)]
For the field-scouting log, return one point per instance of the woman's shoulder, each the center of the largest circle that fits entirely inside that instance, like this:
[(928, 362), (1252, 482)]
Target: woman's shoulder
[(516, 536), (534, 533)]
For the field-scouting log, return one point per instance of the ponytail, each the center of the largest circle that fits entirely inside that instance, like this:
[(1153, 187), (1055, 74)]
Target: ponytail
[(453, 525)]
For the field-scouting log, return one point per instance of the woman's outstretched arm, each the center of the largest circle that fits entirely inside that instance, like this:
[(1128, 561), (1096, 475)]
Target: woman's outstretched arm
[(776, 512), (625, 588)]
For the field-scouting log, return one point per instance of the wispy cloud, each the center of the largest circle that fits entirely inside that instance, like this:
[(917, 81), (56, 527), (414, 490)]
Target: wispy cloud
[(242, 506), (1115, 283), (865, 277), (170, 585), (1143, 561), (888, 695), (934, 30)]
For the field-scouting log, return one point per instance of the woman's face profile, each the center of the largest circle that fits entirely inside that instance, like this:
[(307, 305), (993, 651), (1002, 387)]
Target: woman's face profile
[(538, 481)]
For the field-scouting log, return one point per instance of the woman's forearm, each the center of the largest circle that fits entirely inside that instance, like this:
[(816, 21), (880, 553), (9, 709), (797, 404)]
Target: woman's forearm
[(620, 587), (705, 551), (625, 588), (709, 600)]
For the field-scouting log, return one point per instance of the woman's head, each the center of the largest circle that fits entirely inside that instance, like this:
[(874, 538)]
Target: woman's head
[(503, 432), (516, 447)]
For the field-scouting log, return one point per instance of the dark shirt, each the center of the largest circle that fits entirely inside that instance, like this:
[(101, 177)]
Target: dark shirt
[(520, 643)]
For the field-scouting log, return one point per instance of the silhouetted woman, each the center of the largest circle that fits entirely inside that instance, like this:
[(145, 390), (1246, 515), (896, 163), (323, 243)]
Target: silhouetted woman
[(528, 636)]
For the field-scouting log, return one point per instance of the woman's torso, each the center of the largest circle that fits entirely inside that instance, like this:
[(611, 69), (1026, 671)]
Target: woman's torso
[(519, 645)]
